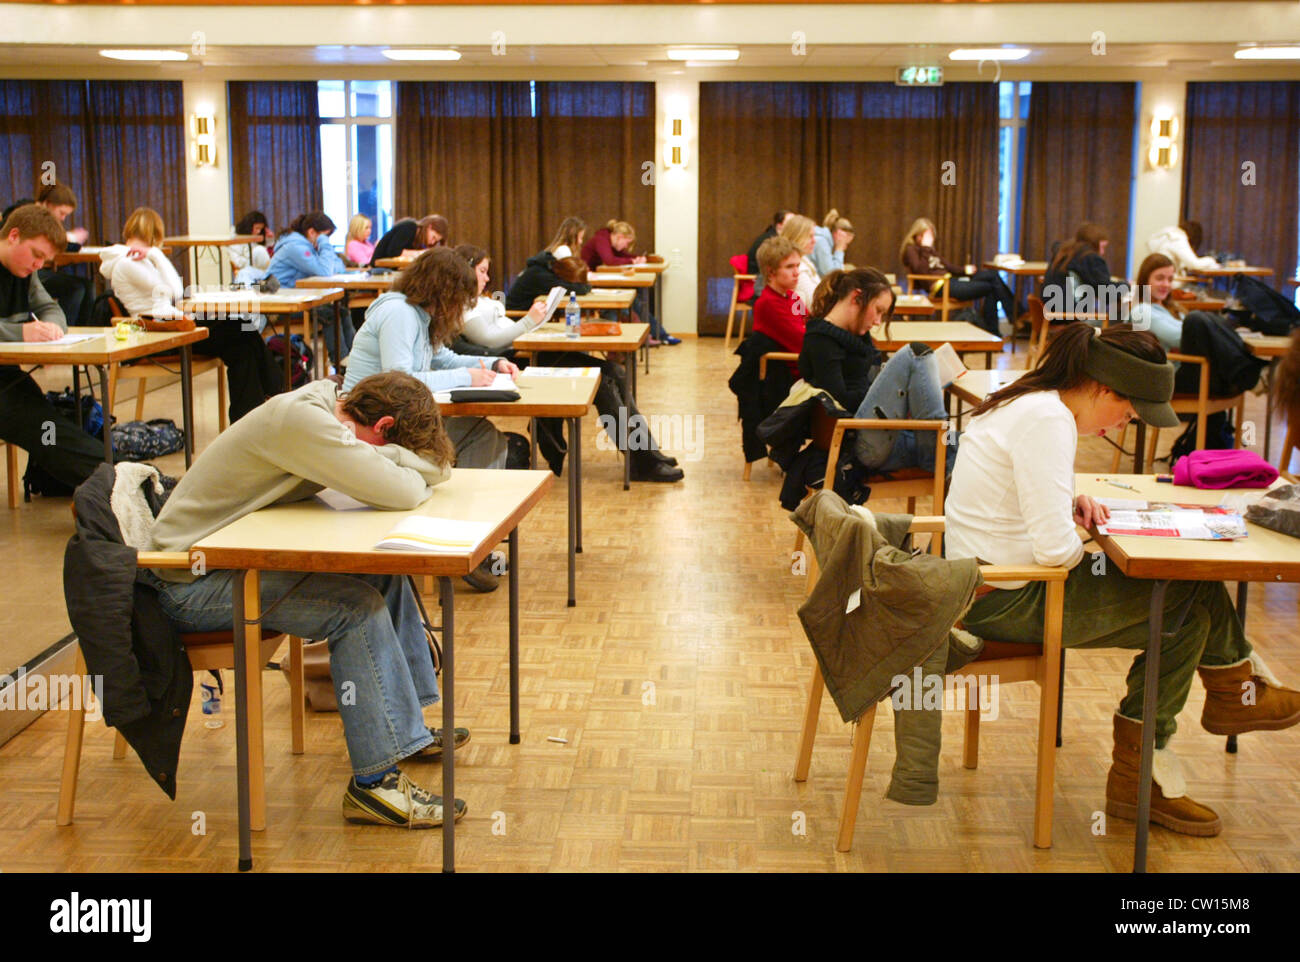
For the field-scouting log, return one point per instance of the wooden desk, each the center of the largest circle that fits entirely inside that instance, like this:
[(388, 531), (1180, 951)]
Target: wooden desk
[(649, 267), (1292, 282), (350, 281), (914, 305), (211, 244), (105, 352), (1067, 317), (1217, 272), (973, 387), (284, 304), (1024, 269), (393, 263), (1264, 556), (602, 281), (309, 536), (962, 336), (1211, 304), (568, 398), (550, 337)]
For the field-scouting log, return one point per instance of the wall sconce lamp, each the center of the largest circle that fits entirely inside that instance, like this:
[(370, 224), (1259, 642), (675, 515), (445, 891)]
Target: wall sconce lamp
[(203, 139), (1163, 153), (675, 139)]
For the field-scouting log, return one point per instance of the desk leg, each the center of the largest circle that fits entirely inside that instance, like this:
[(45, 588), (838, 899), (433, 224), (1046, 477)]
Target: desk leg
[(187, 403), (1157, 617), (108, 415), (514, 636), (288, 356), (631, 372), (532, 442), (573, 513), (627, 451), (247, 612), (338, 335), (1230, 746), (448, 600), (1268, 406), (575, 466), (1139, 454)]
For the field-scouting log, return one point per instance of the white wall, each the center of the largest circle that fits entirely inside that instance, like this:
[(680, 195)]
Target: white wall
[(208, 188), (1157, 194), (677, 204)]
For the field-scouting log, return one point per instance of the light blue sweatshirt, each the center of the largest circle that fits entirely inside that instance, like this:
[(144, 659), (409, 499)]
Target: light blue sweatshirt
[(824, 255), (295, 258), (1168, 330), (395, 337)]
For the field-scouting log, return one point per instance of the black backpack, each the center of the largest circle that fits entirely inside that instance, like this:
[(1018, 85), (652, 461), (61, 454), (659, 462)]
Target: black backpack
[(300, 357), (1266, 310), (38, 481)]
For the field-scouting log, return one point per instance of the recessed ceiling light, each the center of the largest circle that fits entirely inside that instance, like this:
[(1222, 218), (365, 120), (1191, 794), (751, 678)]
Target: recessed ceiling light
[(1268, 53), (989, 53), (144, 54), (412, 54), (703, 53)]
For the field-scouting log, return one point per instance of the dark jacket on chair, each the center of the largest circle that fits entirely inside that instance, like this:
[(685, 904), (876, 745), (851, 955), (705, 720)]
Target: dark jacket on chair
[(756, 399), (124, 634)]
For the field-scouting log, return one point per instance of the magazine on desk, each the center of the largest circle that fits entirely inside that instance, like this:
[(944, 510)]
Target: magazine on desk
[(1164, 519)]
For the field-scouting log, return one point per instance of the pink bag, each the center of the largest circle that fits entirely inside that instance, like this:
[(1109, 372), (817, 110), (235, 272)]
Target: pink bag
[(1233, 468)]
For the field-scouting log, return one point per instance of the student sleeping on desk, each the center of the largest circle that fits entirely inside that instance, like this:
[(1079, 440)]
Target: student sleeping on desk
[(1012, 502)]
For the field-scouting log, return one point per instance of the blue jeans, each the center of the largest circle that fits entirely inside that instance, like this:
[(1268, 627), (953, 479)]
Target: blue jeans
[(379, 656), (641, 304), (906, 387)]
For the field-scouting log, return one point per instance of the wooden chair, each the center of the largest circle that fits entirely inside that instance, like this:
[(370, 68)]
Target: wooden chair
[(11, 471), (1200, 404), (762, 376), (946, 304), (739, 264), (167, 365), (207, 650), (1009, 662)]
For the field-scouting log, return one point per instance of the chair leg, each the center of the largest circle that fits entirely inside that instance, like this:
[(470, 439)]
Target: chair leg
[(297, 702), (808, 735), (744, 315), (1241, 420), (731, 316), (1200, 430), (11, 467), (223, 414), (1151, 448), (119, 745), (911, 506), (853, 786), (1048, 706), (970, 754), (1060, 701), (748, 465), (140, 386), (1119, 450), (72, 755)]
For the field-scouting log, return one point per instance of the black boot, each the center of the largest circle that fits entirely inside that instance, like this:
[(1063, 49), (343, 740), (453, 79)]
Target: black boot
[(646, 467)]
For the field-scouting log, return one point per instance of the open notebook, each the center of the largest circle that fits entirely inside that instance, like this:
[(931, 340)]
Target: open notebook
[(435, 535)]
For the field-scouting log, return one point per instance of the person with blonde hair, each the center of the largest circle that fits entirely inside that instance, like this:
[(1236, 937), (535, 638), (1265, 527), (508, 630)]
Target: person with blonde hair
[(830, 240), (798, 230), (358, 250), (141, 276), (612, 244), (918, 254)]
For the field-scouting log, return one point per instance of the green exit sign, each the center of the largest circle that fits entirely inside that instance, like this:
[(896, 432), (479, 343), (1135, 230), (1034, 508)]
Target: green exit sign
[(919, 77)]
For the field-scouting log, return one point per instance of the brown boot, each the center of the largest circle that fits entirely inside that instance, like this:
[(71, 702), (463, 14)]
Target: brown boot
[(1170, 805), (1246, 697)]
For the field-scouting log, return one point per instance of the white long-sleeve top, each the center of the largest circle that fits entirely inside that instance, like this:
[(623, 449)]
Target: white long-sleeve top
[(1011, 501), (808, 281), (240, 257), (1173, 243), (148, 286), (486, 324)]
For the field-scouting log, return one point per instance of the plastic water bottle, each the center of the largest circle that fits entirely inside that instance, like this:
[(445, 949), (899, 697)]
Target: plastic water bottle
[(572, 317)]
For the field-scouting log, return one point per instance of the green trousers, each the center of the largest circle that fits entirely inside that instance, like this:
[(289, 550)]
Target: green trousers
[(1104, 608)]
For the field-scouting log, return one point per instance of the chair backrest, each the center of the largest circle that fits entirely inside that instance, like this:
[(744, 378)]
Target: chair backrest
[(1037, 331), (740, 265)]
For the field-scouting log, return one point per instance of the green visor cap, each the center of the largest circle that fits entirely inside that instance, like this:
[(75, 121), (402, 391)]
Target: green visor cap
[(1148, 385)]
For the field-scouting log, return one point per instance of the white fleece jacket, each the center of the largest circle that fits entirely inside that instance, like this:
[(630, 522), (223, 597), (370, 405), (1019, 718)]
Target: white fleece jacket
[(1173, 243), (148, 286)]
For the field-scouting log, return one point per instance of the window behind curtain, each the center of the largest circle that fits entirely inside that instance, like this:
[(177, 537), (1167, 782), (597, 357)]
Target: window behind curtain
[(118, 144)]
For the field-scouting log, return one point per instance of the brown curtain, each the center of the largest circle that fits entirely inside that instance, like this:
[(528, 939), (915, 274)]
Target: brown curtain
[(881, 155), (118, 144), (1230, 125), (506, 161), (1078, 166), (275, 159)]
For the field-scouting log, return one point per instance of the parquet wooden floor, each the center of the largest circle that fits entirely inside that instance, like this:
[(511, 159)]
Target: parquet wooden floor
[(678, 682)]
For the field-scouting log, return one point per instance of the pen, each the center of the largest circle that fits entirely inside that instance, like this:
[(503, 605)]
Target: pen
[(1118, 484)]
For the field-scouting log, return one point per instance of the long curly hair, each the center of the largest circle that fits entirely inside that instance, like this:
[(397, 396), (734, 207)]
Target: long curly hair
[(442, 283)]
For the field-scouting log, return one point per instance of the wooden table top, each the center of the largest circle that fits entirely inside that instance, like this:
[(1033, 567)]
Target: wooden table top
[(1292, 282), (1229, 271), (550, 337), (87, 255), (974, 386), (1064, 317), (351, 281), (960, 334), (393, 263), (905, 304), (649, 267), (211, 240), (604, 280), (1027, 269), (612, 299), (540, 396), (287, 300), (103, 348), (312, 536), (1264, 556), (1262, 345), (1212, 304)]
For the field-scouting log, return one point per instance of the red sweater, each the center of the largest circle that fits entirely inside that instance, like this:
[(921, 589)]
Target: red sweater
[(782, 318), (598, 250)]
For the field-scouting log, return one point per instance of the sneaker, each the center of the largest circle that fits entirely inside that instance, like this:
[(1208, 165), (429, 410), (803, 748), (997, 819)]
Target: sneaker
[(653, 342), (669, 339), (396, 801), (434, 750), (484, 578)]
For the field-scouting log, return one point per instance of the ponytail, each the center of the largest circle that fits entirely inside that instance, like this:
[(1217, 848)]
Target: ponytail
[(312, 220), (1064, 363), (831, 217)]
